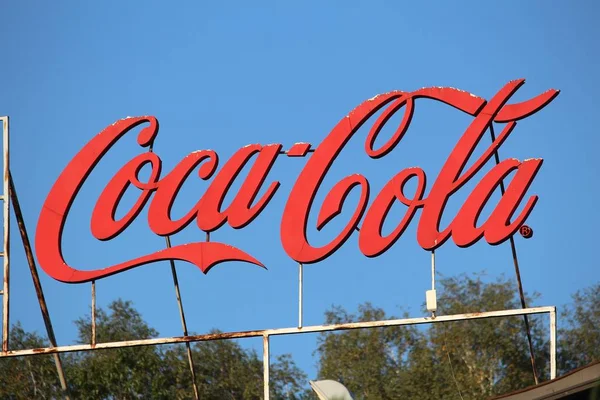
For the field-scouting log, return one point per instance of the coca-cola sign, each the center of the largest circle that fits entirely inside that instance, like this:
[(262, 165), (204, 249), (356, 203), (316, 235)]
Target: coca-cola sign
[(160, 190)]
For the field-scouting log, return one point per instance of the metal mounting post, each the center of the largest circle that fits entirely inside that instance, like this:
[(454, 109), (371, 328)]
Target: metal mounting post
[(93, 340), (266, 364), (37, 284), (553, 343), (300, 292), (183, 322)]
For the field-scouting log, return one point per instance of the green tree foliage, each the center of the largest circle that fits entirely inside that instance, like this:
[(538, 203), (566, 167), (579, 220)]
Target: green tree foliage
[(478, 358), (579, 342), (473, 359), (468, 359), (370, 362), (28, 377), (224, 370), (126, 373)]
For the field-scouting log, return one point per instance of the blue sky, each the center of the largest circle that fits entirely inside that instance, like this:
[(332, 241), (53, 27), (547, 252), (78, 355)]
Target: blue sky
[(220, 76)]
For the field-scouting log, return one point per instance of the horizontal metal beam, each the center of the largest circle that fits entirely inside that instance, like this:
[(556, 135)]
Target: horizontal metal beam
[(280, 331)]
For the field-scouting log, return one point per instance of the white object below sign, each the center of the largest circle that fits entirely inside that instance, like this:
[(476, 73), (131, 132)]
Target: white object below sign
[(330, 390), (431, 300)]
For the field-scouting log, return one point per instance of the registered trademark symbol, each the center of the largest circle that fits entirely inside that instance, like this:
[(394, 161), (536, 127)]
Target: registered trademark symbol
[(526, 231)]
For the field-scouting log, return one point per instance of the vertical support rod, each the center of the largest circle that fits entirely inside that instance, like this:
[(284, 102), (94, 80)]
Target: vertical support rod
[(433, 277), (183, 322), (513, 249), (180, 305), (523, 305), (300, 292), (432, 269), (6, 247), (93, 313), (36, 283), (553, 343), (266, 362)]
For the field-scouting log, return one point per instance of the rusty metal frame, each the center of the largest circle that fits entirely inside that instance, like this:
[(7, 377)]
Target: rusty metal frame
[(267, 333)]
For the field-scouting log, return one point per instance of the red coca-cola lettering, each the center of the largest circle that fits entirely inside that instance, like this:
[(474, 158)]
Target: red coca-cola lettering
[(56, 207), (160, 192)]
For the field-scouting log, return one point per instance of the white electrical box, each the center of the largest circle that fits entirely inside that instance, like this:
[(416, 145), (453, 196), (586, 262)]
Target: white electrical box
[(431, 300)]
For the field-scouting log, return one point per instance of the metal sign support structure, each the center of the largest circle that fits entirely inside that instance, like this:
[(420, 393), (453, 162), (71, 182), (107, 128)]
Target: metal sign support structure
[(9, 196), (267, 333)]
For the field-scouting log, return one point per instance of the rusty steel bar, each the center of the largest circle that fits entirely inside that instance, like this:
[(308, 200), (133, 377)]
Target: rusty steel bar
[(180, 304), (300, 293), (524, 305), (36, 283), (513, 250), (6, 246), (553, 343), (93, 313), (266, 366), (280, 331), (183, 322)]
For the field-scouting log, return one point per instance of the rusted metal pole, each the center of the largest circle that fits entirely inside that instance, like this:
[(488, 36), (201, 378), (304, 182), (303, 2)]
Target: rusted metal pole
[(433, 283), (432, 269), (183, 323), (93, 313), (180, 305), (266, 366), (37, 284), (513, 250), (553, 343), (281, 331), (300, 292), (6, 246)]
